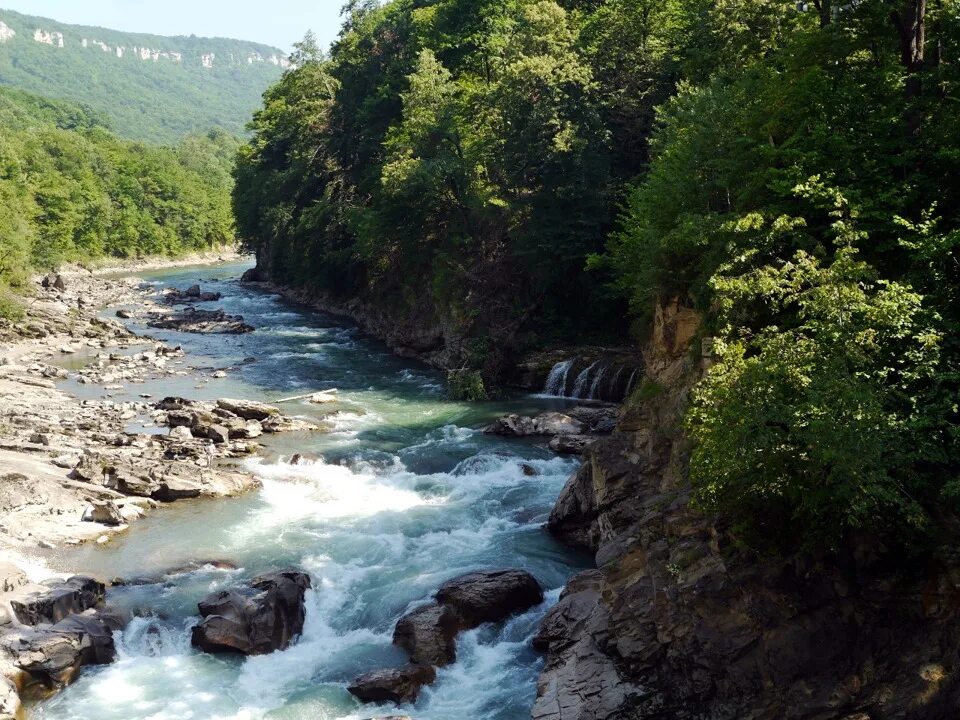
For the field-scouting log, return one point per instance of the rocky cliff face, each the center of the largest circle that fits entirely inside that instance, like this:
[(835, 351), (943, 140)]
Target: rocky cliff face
[(676, 623)]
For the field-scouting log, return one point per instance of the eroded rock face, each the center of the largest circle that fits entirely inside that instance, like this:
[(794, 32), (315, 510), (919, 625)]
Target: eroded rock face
[(257, 619), (397, 685), (53, 654), (484, 597), (677, 625), (63, 598)]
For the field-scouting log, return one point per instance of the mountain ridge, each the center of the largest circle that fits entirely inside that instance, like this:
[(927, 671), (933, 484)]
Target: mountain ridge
[(152, 88)]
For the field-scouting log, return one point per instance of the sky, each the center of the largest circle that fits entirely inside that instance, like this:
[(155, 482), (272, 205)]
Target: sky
[(275, 22)]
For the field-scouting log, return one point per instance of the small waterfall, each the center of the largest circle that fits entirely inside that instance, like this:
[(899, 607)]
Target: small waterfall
[(582, 379), (557, 379), (596, 384), (633, 377)]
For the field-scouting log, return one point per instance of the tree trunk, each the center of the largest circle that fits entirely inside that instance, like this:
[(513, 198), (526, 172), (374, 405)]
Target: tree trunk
[(910, 24)]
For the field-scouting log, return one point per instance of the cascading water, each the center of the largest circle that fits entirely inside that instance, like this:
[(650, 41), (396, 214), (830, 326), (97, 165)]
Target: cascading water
[(595, 381), (556, 384), (595, 385), (400, 494), (582, 379)]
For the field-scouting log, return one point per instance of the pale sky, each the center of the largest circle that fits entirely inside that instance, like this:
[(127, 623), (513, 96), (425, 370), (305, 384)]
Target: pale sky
[(275, 22)]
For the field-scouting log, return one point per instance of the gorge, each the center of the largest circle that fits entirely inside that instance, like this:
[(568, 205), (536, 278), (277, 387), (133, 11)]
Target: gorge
[(551, 359)]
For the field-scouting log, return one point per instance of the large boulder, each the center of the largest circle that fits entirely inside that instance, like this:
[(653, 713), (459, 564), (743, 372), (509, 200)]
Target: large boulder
[(398, 685), (53, 655), (257, 619), (429, 635), (60, 599), (490, 596), (104, 512)]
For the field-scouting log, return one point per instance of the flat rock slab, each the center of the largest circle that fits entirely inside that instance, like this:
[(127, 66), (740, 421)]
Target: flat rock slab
[(192, 320)]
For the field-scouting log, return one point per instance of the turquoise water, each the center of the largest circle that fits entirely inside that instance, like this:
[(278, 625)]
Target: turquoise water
[(400, 494)]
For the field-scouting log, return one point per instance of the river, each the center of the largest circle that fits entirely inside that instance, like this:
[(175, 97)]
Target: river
[(403, 493)]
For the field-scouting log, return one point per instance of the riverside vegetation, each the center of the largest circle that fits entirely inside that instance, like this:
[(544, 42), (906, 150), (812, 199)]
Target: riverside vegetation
[(71, 191), (785, 169), (760, 194)]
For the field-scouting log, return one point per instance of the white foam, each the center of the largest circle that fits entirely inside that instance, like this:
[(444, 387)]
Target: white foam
[(318, 490)]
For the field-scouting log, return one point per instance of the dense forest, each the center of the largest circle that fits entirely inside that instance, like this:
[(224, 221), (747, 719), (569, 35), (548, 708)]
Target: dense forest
[(153, 100), (72, 191), (529, 168)]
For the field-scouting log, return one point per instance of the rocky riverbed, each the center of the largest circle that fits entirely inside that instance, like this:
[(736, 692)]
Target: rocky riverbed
[(106, 434), (72, 471)]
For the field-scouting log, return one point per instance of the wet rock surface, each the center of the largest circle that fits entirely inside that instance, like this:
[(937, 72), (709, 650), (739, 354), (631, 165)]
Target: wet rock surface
[(58, 600), (429, 633), (192, 320), (255, 619), (396, 685), (173, 296)]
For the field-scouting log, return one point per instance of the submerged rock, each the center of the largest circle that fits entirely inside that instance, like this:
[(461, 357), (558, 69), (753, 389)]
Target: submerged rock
[(257, 619), (397, 685)]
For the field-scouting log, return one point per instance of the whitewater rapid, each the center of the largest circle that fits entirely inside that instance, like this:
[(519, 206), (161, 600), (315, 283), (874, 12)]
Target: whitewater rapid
[(403, 493)]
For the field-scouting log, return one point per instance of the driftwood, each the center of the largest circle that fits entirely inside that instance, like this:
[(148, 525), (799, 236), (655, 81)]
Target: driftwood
[(307, 396)]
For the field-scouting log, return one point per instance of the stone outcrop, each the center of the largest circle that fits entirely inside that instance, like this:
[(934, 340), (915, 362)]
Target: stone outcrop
[(256, 619), (58, 600), (55, 629), (429, 633), (676, 623), (484, 597), (191, 320), (571, 432)]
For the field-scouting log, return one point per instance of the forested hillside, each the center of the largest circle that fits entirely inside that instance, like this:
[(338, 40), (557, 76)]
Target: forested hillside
[(70, 190), (787, 169), (148, 87)]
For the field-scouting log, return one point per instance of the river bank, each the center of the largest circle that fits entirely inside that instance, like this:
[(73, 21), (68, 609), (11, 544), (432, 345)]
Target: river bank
[(363, 507), (77, 470)]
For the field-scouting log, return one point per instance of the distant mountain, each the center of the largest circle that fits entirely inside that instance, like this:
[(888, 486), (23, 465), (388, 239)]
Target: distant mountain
[(149, 87)]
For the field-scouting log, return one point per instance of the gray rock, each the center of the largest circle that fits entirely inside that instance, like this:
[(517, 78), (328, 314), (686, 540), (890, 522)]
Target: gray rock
[(572, 444), (181, 432), (62, 598), (256, 619), (104, 512), (483, 597), (10, 706), (248, 409), (397, 685), (429, 635), (218, 433)]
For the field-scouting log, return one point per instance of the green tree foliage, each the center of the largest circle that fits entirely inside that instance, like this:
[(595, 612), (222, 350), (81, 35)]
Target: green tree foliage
[(158, 101), (799, 194), (448, 154), (71, 191)]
